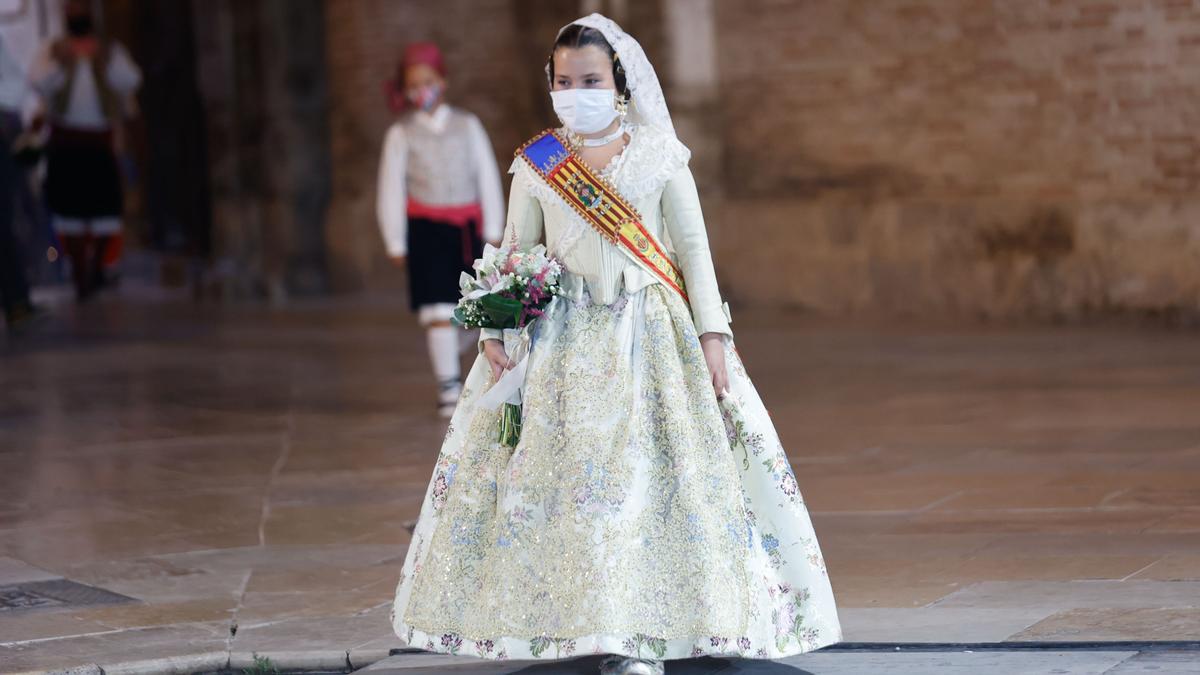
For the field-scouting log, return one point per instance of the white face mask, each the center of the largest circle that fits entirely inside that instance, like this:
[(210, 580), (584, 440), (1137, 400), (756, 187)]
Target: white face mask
[(585, 111)]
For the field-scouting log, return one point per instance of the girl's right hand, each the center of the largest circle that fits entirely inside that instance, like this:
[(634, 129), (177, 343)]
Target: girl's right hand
[(493, 350)]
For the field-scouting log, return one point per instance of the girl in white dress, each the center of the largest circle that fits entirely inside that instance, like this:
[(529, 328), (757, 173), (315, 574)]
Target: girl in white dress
[(648, 511)]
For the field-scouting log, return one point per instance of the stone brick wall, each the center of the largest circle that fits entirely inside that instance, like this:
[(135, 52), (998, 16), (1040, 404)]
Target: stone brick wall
[(1026, 158), (966, 157), (264, 88)]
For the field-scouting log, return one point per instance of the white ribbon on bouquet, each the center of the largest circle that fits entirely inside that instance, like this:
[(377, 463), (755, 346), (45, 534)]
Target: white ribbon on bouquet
[(508, 388), (518, 343)]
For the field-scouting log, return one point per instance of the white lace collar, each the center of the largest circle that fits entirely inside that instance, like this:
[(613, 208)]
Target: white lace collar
[(648, 161)]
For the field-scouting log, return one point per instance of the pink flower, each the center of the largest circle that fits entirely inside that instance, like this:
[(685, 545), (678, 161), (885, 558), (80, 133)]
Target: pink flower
[(439, 490)]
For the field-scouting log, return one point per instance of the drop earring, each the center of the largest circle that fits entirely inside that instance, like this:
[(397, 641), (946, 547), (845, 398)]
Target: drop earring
[(622, 102), (622, 105)]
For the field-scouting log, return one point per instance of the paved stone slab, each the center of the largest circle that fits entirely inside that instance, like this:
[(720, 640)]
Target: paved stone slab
[(1109, 624), (1077, 594), (113, 648), (936, 624), (1159, 662), (13, 571)]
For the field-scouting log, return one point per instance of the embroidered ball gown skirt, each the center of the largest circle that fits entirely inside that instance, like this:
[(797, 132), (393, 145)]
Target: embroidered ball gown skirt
[(637, 515)]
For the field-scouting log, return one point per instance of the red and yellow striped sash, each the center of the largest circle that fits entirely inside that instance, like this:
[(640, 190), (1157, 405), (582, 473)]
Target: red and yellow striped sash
[(600, 205)]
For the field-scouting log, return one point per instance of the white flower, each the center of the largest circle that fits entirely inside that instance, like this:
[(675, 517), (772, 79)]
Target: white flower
[(490, 251)]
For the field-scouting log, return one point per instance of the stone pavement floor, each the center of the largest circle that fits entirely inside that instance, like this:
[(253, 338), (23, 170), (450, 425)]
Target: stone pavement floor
[(201, 483)]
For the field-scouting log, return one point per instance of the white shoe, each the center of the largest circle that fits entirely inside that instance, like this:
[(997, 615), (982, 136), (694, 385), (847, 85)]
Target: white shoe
[(627, 665)]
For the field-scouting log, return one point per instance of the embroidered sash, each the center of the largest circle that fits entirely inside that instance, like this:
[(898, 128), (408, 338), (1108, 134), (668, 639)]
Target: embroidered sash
[(600, 205)]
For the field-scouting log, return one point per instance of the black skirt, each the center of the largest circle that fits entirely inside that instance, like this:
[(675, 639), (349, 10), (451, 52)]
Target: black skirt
[(437, 254), (82, 177)]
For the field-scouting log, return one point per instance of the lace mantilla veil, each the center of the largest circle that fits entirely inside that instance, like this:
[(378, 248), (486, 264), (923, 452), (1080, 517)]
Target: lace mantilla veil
[(647, 105), (647, 108)]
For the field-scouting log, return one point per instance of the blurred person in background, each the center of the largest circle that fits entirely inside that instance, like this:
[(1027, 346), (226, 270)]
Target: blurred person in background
[(439, 199), (88, 83), (14, 286)]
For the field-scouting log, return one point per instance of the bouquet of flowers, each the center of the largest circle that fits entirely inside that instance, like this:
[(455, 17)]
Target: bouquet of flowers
[(509, 291), (510, 288)]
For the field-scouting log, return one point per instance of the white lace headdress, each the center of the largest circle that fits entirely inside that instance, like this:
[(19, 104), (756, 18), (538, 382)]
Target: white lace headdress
[(646, 166), (647, 104)]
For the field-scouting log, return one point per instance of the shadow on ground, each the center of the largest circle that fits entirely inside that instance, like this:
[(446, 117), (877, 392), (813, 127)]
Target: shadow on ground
[(701, 666)]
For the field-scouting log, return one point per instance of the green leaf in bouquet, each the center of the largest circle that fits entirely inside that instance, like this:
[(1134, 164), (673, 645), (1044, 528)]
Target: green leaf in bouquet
[(503, 312), (458, 319)]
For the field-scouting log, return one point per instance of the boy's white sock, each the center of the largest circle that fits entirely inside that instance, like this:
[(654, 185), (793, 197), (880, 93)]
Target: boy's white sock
[(443, 353)]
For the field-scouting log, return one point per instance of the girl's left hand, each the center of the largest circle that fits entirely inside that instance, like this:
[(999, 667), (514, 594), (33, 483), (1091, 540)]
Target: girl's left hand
[(713, 345)]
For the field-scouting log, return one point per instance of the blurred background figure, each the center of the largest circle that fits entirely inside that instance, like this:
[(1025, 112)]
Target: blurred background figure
[(14, 286), (88, 83), (439, 198)]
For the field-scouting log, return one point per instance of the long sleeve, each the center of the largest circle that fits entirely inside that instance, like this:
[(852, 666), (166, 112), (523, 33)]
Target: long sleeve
[(123, 74), (524, 229), (525, 219), (391, 203), (685, 223), (14, 85), (491, 194), (45, 74)]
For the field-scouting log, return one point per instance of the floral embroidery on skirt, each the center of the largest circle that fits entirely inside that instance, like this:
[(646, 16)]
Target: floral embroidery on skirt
[(637, 515)]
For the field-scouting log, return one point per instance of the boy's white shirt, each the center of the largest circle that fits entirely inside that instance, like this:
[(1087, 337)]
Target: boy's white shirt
[(392, 197), (84, 108)]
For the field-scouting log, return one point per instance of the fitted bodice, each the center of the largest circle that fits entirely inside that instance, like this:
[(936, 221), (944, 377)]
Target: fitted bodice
[(652, 174)]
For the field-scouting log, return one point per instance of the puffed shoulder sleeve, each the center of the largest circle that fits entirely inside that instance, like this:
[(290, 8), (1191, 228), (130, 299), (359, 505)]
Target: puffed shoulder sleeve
[(123, 74), (524, 222), (685, 224), (45, 73), (523, 225)]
